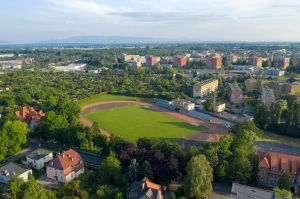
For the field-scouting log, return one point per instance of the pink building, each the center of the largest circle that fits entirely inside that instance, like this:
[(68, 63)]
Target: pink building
[(152, 60), (179, 61)]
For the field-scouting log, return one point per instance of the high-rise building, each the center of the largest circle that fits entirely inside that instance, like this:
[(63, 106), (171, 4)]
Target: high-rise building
[(204, 88), (255, 61), (152, 60), (214, 61), (179, 61), (281, 61)]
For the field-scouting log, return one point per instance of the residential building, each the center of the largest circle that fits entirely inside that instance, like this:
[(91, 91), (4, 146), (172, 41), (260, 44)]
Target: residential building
[(30, 116), (214, 61), (11, 170), (135, 60), (65, 167), (38, 158), (273, 164), (204, 88), (255, 61), (281, 61), (183, 104), (220, 107), (144, 189), (267, 96), (234, 93), (232, 58), (294, 88), (179, 61), (239, 191), (152, 60)]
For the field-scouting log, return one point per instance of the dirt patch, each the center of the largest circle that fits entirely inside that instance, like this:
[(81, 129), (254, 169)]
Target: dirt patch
[(212, 133)]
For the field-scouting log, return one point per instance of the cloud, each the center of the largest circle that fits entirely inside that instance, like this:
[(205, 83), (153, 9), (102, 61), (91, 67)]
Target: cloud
[(80, 6)]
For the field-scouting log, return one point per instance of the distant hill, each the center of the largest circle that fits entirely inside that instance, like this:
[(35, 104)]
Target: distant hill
[(4, 42), (105, 40)]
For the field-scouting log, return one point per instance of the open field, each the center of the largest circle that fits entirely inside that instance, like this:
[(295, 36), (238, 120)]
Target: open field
[(104, 98), (134, 121), (280, 139)]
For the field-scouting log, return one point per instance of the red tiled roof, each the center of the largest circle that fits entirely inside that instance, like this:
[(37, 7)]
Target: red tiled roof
[(29, 113), (152, 185), (68, 161), (280, 161)]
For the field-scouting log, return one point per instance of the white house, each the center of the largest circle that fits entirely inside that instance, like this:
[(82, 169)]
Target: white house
[(65, 167), (11, 170), (38, 158)]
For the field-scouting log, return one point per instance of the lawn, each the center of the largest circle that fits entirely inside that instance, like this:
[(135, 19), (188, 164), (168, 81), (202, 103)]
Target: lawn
[(105, 97), (280, 139), (135, 121)]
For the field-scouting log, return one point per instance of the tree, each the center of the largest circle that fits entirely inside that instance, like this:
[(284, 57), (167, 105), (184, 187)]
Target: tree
[(29, 190), (146, 170), (282, 193), (110, 170), (284, 182), (13, 136), (133, 170), (198, 181), (73, 190), (262, 116), (277, 108)]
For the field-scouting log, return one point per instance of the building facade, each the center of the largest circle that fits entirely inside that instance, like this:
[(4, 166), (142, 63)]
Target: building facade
[(255, 61), (30, 116), (214, 61), (11, 170), (38, 159), (183, 104), (179, 61), (152, 60), (273, 164), (65, 167), (267, 96), (281, 61), (204, 88), (234, 93)]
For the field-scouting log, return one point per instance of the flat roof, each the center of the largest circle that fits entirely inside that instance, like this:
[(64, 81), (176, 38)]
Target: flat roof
[(39, 154)]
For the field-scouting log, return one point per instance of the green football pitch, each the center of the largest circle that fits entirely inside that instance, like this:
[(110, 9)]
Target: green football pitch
[(135, 121)]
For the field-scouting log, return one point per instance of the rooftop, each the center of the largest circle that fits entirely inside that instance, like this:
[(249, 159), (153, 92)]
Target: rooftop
[(39, 154), (242, 191), (13, 169)]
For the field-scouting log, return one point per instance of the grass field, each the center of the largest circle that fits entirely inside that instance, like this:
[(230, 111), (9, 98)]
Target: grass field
[(134, 121), (105, 97), (280, 139)]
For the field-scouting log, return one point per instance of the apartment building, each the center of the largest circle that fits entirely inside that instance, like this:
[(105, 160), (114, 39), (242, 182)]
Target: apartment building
[(281, 61), (267, 96), (234, 93), (183, 104), (179, 61), (204, 88), (152, 60), (214, 61), (255, 61)]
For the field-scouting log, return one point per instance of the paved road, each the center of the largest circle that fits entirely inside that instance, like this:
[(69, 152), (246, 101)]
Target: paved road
[(17, 156)]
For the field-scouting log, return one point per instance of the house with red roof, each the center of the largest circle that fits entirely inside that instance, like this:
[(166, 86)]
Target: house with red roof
[(65, 167), (30, 116), (144, 189), (273, 164)]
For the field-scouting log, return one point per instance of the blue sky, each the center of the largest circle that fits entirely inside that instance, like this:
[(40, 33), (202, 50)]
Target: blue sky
[(203, 20)]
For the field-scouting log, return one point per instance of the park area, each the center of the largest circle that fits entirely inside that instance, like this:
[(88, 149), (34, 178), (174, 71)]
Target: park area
[(130, 118)]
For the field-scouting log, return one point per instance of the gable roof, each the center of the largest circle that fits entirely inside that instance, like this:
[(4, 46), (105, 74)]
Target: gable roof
[(145, 189), (68, 161), (28, 113), (280, 161)]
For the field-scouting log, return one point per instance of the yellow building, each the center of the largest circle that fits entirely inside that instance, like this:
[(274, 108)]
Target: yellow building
[(205, 88)]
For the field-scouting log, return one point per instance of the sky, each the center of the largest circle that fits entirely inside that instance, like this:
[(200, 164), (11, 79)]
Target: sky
[(24, 21)]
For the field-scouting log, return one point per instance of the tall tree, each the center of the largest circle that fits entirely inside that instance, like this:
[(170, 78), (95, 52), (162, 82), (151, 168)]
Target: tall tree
[(277, 108), (198, 181)]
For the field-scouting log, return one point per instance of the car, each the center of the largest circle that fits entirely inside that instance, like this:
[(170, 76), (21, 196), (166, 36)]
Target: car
[(228, 126)]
